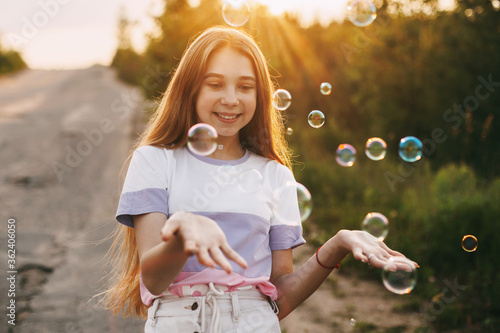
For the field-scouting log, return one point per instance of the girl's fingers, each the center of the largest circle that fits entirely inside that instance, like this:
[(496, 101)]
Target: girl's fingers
[(391, 251), (204, 257), (394, 253), (374, 252), (168, 231), (219, 258), (190, 247), (386, 255), (233, 255), (208, 244), (358, 254), (378, 262)]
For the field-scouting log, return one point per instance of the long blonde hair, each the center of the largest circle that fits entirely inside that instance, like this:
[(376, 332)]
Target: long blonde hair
[(168, 128)]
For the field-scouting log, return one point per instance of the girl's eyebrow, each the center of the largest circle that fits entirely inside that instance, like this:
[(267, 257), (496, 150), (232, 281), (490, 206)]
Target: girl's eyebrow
[(247, 78), (220, 76)]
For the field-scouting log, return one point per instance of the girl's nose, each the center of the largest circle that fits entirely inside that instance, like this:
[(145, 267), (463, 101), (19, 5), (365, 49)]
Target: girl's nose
[(230, 97)]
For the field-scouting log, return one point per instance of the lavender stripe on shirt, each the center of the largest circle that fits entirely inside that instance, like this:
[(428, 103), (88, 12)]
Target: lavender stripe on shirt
[(254, 239), (285, 236), (248, 235), (141, 202)]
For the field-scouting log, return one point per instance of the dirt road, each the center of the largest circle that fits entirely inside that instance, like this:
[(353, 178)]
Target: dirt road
[(64, 136)]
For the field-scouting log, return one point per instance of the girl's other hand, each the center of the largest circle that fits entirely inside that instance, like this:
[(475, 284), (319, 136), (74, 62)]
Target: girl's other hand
[(202, 236), (367, 248)]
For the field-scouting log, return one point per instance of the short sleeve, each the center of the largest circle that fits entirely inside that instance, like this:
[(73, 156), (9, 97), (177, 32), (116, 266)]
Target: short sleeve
[(286, 224), (145, 189)]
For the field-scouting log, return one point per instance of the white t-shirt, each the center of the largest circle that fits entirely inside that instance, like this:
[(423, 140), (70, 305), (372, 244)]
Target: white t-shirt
[(252, 199)]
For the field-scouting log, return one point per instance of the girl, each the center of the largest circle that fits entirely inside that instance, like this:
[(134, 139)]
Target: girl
[(203, 253)]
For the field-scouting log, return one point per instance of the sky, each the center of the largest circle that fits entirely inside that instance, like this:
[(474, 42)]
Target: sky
[(67, 34), (64, 34), (61, 34)]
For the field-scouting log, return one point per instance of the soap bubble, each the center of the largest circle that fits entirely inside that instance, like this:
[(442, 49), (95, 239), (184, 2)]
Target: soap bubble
[(410, 149), (376, 224), (399, 275), (250, 181), (305, 201), (326, 88), (469, 243), (375, 149), (361, 12), (235, 12), (291, 191), (282, 99), (316, 118), (202, 139), (346, 155), (289, 131)]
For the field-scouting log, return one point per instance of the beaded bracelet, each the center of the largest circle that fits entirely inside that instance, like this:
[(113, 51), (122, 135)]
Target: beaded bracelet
[(317, 259)]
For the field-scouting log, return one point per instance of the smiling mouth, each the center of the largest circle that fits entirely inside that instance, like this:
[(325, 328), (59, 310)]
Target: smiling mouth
[(227, 117)]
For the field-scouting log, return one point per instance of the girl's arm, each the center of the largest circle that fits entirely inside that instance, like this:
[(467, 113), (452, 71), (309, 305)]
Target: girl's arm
[(294, 287), (164, 246), (160, 261)]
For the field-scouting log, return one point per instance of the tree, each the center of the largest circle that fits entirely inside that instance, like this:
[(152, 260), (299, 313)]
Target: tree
[(10, 61)]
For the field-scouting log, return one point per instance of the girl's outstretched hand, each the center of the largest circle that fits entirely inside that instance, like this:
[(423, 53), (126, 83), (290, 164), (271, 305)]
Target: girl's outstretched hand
[(202, 236), (367, 248)]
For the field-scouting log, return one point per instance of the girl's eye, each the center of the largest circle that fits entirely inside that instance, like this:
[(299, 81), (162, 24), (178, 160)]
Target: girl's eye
[(246, 87), (214, 85)]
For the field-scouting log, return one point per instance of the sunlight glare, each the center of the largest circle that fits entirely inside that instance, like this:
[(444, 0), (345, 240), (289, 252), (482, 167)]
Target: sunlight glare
[(277, 7), (309, 10)]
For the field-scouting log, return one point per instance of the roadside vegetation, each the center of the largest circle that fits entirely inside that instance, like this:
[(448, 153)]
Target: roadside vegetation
[(10, 61)]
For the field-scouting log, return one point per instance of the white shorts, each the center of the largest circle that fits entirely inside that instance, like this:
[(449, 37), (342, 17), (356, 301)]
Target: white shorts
[(246, 311)]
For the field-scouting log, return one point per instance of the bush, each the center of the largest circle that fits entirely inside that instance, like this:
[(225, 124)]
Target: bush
[(455, 204), (129, 65), (429, 214), (11, 61)]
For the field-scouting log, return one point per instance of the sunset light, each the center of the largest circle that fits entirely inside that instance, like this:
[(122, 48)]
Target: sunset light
[(322, 10), (69, 35)]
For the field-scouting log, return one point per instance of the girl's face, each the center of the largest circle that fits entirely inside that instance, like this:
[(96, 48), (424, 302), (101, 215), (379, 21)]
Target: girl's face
[(228, 95)]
